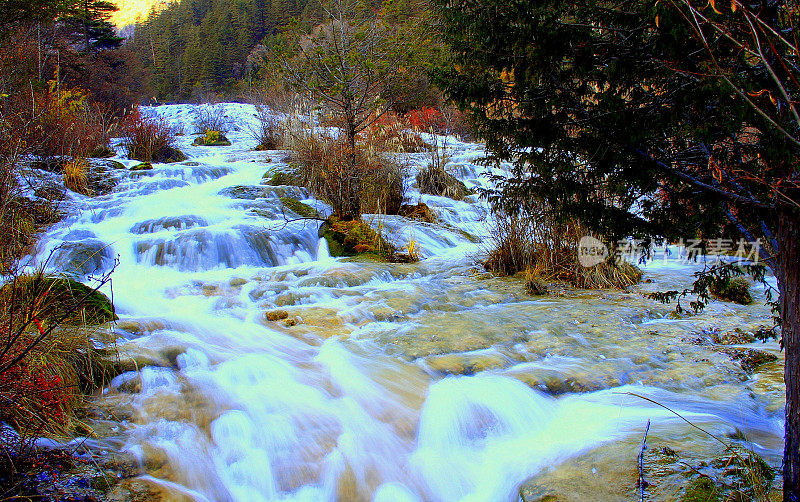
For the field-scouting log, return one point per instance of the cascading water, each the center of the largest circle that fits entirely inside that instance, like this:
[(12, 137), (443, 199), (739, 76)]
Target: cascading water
[(348, 397)]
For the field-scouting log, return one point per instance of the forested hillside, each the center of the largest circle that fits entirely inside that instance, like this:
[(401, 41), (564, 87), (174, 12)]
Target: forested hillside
[(195, 47)]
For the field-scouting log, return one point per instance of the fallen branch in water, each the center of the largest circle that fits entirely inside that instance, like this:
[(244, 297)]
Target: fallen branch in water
[(642, 484)]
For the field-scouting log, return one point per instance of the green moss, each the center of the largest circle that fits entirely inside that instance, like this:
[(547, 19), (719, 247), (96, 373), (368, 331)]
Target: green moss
[(281, 178), (299, 208), (702, 490), (144, 166), (212, 138), (355, 238), (50, 298), (735, 289)]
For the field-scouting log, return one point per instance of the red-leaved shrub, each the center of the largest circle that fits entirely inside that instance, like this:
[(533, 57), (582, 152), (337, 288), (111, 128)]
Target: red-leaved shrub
[(149, 139)]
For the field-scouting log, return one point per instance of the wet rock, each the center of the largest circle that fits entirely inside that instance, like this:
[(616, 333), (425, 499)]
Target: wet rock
[(419, 212), (536, 287), (287, 299), (123, 464), (466, 364), (734, 337), (144, 166), (750, 359), (276, 315), (135, 490), (91, 256), (134, 358), (298, 208), (139, 328), (536, 493), (237, 282)]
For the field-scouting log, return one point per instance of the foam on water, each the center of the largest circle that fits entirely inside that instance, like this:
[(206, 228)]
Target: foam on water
[(246, 409)]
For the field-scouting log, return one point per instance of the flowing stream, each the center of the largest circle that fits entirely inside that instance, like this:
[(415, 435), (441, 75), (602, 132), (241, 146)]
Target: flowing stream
[(267, 370)]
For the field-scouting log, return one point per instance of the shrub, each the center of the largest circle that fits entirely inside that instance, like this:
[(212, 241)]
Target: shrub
[(389, 133), (269, 131), (352, 182), (75, 176), (47, 356), (150, 139), (57, 121), (734, 289), (210, 118)]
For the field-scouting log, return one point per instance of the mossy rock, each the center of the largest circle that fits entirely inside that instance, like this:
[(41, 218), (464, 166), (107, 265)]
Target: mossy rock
[(101, 152), (166, 155), (144, 166), (735, 290), (170, 155), (354, 238), (212, 138), (702, 490), (53, 297), (281, 178), (299, 208), (750, 359)]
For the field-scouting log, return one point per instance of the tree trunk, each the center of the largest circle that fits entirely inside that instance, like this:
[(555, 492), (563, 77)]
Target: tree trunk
[(789, 278), (353, 177)]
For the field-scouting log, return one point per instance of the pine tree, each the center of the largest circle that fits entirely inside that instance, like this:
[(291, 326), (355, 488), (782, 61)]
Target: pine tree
[(91, 19), (648, 119)]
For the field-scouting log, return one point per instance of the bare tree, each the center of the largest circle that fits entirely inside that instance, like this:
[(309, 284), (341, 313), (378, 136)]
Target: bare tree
[(348, 64)]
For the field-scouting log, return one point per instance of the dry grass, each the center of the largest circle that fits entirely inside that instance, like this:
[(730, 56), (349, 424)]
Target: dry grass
[(75, 176), (548, 251), (353, 183)]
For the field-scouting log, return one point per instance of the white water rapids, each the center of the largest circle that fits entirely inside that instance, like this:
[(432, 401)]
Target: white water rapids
[(392, 383)]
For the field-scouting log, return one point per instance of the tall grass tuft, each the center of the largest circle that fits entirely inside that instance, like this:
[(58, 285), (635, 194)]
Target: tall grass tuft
[(352, 182), (76, 177), (548, 251)]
